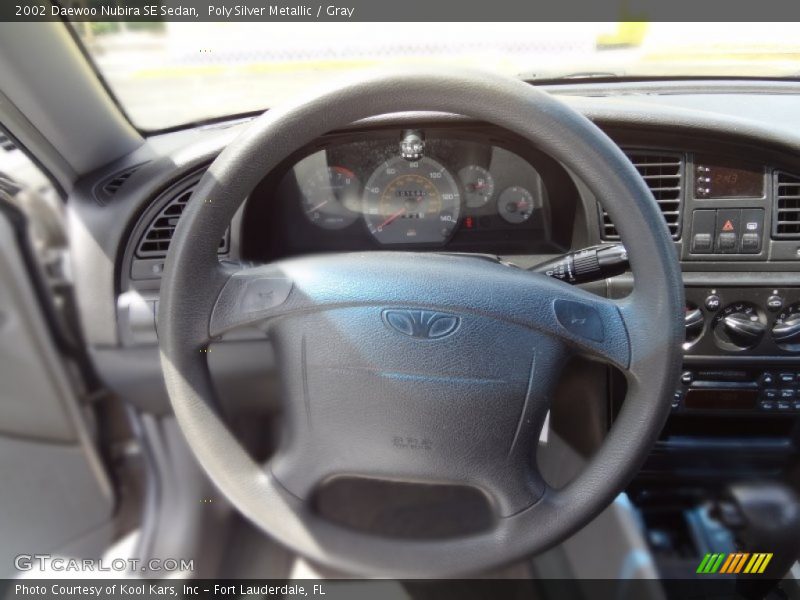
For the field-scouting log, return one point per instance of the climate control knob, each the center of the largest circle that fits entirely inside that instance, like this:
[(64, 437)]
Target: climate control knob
[(786, 330), (693, 321), (739, 326)]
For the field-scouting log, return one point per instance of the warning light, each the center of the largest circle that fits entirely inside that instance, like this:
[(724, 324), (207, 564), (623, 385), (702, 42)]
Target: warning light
[(728, 226), (469, 223)]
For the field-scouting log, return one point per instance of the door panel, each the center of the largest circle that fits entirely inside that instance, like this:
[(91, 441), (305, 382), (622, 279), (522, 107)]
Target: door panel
[(55, 493)]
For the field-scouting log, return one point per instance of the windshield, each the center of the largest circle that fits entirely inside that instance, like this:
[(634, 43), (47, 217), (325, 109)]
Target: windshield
[(168, 74)]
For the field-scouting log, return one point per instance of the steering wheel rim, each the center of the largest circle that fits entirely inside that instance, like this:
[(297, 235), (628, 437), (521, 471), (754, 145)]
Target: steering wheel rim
[(200, 299)]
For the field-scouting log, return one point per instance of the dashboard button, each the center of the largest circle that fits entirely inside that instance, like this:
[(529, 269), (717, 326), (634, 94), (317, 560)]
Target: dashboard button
[(687, 377), (579, 319), (713, 302), (726, 241), (767, 405), (766, 379), (770, 394), (750, 243), (752, 223), (701, 242), (263, 294), (703, 223), (728, 230), (787, 394), (783, 405), (786, 378), (676, 398), (796, 405)]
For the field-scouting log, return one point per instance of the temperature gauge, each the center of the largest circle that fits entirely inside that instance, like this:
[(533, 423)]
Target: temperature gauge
[(478, 185)]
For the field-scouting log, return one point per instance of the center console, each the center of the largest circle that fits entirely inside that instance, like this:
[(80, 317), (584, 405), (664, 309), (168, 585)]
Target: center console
[(735, 418), (735, 410), (742, 350)]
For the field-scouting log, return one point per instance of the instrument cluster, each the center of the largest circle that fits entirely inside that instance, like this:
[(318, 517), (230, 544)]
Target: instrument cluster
[(411, 189)]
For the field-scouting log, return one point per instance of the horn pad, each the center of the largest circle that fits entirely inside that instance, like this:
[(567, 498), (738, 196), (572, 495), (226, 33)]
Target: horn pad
[(418, 394)]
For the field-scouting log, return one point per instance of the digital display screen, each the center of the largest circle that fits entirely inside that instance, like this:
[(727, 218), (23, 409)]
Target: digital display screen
[(715, 180), (706, 399)]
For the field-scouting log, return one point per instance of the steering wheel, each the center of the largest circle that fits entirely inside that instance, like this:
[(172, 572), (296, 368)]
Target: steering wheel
[(460, 353)]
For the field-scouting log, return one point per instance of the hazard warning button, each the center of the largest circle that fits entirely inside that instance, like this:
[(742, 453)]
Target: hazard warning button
[(727, 237)]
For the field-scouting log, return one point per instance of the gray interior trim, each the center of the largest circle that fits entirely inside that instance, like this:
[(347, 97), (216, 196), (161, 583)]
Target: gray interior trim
[(30, 138), (52, 473), (52, 500), (83, 127)]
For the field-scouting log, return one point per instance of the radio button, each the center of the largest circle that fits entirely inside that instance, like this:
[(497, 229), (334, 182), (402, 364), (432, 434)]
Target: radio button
[(770, 394), (783, 405), (766, 379), (786, 378), (787, 394), (767, 405)]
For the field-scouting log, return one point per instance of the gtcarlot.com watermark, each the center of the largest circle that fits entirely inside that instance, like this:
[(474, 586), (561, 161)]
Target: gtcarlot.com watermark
[(60, 564)]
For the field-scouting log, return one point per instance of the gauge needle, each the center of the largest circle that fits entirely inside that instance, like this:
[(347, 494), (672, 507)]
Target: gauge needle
[(317, 207), (391, 218)]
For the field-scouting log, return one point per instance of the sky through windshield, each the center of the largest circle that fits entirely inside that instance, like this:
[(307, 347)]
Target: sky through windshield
[(166, 74)]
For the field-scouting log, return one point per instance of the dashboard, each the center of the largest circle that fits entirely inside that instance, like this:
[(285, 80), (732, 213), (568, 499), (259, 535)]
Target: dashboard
[(414, 189), (724, 172)]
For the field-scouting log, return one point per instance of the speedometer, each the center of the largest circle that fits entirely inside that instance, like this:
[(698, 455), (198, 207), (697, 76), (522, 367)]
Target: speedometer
[(411, 202)]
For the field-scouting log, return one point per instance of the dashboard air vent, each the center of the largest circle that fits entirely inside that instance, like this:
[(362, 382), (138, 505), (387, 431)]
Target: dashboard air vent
[(663, 173), (786, 224), (107, 188), (111, 186), (5, 143), (155, 241)]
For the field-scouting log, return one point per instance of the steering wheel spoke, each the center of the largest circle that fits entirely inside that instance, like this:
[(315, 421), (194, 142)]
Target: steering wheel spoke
[(250, 295)]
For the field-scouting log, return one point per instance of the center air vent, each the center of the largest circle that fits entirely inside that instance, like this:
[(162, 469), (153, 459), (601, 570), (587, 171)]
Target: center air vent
[(155, 241), (663, 174), (786, 224)]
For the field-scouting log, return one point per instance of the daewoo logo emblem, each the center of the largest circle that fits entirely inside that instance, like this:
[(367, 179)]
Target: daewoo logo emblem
[(422, 324)]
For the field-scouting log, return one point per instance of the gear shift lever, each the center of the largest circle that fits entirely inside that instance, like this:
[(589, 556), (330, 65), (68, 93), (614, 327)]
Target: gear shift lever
[(765, 518)]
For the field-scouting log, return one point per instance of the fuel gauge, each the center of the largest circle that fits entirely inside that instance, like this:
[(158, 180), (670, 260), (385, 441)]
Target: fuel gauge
[(516, 205)]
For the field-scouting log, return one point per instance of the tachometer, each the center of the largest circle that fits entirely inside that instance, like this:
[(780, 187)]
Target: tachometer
[(411, 202), (331, 197)]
